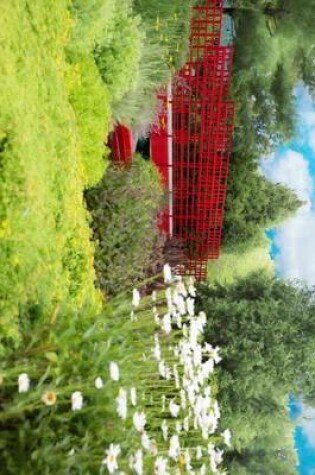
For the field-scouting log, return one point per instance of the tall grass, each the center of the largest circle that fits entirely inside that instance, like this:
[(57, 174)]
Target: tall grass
[(163, 49), (168, 24)]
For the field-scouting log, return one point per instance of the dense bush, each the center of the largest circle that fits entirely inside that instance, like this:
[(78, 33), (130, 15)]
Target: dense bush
[(123, 208), (118, 54), (91, 20), (46, 256), (90, 101)]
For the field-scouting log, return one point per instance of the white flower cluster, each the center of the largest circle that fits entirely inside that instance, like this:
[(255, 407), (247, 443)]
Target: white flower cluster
[(185, 364)]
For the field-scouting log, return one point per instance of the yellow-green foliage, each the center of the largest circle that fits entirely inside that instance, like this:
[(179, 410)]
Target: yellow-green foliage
[(234, 265), (92, 19), (118, 54), (90, 100), (45, 252)]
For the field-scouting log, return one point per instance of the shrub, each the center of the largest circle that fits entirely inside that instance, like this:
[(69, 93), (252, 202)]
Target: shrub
[(91, 18), (123, 208), (46, 256), (117, 55), (90, 101)]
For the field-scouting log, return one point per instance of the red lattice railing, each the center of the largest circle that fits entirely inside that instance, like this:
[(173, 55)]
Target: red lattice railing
[(202, 128)]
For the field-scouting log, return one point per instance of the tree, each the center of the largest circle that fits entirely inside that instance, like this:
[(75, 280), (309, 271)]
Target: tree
[(265, 328)]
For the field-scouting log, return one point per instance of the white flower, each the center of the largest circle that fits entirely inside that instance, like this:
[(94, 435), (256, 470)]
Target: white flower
[(138, 462), (167, 271), (187, 460), (164, 428), (192, 290), (183, 399), (99, 383), (166, 323), (174, 450), (114, 371), (148, 444), (203, 470), (121, 401), (216, 457), (160, 466), (178, 320), (216, 356), (162, 368), (181, 306), (227, 437), (169, 300), (178, 427), (139, 421), (176, 376), (181, 289), (145, 441), (216, 409), (135, 298), (157, 351), (133, 396), (186, 424), (76, 401), (174, 408), (111, 458), (190, 306), (154, 296), (198, 452), (24, 383)]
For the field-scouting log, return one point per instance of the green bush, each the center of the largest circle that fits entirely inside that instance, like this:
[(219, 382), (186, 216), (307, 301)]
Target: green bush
[(46, 256), (92, 18), (123, 208), (118, 54), (90, 101)]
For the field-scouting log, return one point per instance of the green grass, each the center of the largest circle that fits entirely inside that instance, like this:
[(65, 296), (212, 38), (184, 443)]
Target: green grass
[(232, 266), (46, 257)]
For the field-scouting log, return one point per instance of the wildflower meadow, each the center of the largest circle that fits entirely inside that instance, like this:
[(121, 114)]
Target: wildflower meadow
[(134, 392)]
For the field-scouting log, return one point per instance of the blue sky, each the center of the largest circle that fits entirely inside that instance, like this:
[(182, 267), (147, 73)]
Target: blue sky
[(292, 244)]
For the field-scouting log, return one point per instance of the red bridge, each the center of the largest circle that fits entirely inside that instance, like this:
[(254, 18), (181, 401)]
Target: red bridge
[(192, 143)]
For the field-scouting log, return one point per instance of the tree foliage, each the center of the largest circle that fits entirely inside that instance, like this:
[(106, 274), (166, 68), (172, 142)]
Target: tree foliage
[(273, 53), (265, 329)]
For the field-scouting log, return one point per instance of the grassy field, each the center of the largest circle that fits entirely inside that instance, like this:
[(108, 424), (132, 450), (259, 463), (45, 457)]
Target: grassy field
[(234, 265)]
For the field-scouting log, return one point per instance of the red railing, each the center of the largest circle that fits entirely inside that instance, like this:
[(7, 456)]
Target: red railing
[(202, 128)]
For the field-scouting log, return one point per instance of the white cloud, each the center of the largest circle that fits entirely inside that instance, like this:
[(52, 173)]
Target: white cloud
[(291, 169), (295, 240)]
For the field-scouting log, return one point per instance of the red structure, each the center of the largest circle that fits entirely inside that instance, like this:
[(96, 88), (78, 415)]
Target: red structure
[(202, 128), (120, 141)]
